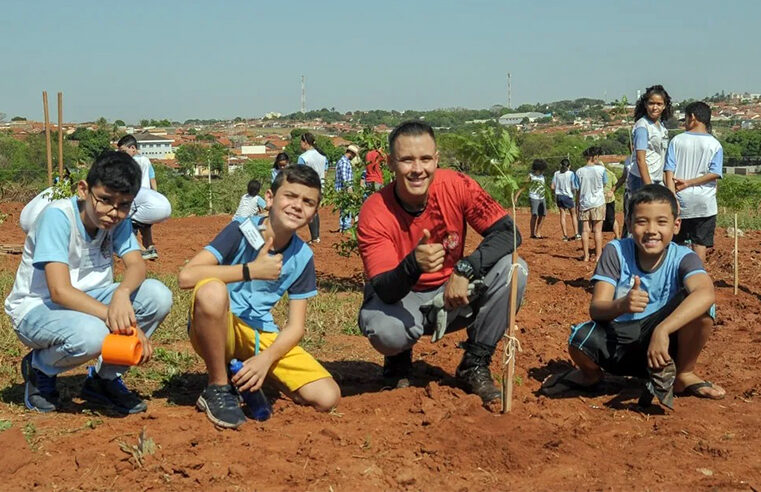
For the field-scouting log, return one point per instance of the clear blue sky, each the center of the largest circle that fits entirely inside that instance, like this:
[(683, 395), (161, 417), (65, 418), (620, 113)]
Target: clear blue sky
[(191, 59)]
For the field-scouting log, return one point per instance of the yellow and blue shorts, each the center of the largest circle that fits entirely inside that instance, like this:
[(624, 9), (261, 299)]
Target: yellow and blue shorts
[(295, 369)]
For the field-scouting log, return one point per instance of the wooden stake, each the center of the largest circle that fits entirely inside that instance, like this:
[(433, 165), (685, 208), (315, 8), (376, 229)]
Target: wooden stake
[(60, 135), (509, 372), (737, 276), (508, 376), (47, 137)]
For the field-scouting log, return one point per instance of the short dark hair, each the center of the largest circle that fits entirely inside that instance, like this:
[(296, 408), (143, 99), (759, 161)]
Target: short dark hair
[(295, 173), (126, 141), (253, 187), (409, 128), (701, 111), (652, 193), (592, 151), (117, 171), (640, 109), (538, 165), (565, 164)]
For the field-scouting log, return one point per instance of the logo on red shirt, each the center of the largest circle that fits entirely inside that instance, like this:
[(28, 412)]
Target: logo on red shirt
[(451, 241)]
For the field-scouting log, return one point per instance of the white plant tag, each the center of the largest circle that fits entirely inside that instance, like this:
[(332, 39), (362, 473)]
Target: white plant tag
[(252, 234)]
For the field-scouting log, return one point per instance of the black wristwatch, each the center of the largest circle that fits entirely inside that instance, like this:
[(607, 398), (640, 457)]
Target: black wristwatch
[(465, 269)]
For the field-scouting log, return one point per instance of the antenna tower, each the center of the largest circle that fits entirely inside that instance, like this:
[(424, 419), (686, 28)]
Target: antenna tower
[(509, 92), (303, 96)]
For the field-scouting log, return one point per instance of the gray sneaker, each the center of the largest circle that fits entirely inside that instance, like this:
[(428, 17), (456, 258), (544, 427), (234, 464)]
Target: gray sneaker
[(150, 253), (222, 407), (40, 392)]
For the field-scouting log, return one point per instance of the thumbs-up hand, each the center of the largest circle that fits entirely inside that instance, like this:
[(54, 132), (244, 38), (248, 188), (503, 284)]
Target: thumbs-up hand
[(636, 300), (266, 266), (429, 257)]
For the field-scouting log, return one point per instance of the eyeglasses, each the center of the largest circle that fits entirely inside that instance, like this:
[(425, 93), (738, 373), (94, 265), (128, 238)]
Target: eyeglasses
[(108, 205)]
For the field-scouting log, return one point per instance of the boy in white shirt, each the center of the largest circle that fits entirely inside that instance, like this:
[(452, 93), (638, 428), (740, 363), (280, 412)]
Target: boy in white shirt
[(149, 206), (64, 300), (592, 179), (693, 164)]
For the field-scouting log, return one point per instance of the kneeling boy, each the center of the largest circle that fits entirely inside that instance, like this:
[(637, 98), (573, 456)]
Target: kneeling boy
[(237, 279), (64, 300), (652, 303)]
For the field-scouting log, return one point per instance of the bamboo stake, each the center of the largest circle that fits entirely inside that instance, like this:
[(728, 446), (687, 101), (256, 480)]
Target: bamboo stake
[(736, 258), (60, 135), (47, 137)]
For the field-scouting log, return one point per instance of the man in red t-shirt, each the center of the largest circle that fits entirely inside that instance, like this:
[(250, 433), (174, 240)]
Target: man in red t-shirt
[(411, 239), (374, 172)]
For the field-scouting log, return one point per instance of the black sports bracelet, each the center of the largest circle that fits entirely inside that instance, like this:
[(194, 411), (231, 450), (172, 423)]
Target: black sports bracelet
[(246, 273)]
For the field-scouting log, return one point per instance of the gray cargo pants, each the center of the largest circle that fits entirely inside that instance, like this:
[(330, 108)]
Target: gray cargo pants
[(394, 328)]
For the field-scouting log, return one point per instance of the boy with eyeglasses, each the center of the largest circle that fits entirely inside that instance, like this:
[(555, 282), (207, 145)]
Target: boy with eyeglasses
[(65, 301)]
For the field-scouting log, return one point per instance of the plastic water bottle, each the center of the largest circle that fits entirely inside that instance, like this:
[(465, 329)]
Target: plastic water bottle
[(257, 403)]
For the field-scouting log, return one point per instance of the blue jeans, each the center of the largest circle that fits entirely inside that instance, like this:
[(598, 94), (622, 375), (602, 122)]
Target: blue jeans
[(62, 339)]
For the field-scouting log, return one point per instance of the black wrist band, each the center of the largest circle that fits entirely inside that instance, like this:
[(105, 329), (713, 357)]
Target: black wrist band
[(246, 273)]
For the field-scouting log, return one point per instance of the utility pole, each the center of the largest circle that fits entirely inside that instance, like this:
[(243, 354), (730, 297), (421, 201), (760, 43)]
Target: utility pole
[(208, 164), (509, 92), (303, 96)]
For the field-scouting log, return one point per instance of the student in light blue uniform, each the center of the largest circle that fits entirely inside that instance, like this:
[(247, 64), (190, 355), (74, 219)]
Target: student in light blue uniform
[(236, 280), (592, 179), (281, 160), (250, 203), (650, 137), (64, 300), (693, 165), (652, 305), (565, 184), (313, 157)]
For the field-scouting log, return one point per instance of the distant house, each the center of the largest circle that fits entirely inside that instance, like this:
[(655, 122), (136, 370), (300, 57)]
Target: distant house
[(510, 119), (154, 146), (253, 150)]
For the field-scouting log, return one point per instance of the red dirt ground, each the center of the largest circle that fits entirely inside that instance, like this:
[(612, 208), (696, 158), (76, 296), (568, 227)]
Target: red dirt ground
[(432, 437)]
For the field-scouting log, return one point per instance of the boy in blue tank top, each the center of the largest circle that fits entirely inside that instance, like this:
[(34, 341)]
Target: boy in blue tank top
[(652, 306), (237, 279)]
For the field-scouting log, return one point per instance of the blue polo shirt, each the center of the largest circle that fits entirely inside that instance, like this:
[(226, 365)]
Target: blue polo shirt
[(253, 301), (618, 266)]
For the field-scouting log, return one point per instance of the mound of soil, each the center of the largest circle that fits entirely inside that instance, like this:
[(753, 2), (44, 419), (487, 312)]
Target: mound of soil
[(432, 436)]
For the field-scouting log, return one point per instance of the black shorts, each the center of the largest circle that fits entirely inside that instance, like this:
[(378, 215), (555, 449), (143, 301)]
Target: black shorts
[(610, 217), (621, 347), (698, 230)]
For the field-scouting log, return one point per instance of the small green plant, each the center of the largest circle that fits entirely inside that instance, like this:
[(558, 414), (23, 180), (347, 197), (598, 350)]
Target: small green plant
[(29, 431), (5, 425)]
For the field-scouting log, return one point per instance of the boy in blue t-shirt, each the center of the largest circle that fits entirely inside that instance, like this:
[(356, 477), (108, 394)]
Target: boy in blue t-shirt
[(236, 280), (64, 300), (652, 305)]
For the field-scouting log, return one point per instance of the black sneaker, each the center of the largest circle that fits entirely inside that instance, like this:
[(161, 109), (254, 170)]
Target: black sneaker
[(473, 372), (477, 380), (397, 369), (112, 393), (222, 407), (40, 392)]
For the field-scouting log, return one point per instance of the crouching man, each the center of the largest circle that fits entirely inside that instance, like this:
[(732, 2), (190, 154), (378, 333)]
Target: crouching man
[(411, 238)]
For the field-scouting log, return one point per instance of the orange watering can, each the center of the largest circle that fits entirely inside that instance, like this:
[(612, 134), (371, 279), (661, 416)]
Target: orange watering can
[(122, 350)]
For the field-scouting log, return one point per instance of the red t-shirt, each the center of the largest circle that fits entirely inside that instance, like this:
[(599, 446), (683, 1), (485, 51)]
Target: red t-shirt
[(387, 233), (373, 172)]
